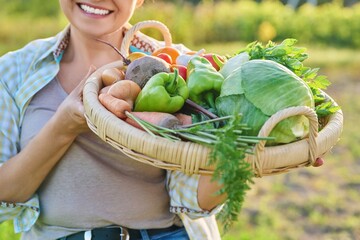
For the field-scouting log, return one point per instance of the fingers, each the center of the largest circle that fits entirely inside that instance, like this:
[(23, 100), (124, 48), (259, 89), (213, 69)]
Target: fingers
[(318, 162), (87, 75), (79, 88), (90, 71)]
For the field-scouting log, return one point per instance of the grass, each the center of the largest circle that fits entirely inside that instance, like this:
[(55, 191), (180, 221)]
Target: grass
[(309, 203), (7, 232)]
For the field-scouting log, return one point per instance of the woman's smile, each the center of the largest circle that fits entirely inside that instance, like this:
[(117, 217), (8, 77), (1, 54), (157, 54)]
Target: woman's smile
[(92, 10)]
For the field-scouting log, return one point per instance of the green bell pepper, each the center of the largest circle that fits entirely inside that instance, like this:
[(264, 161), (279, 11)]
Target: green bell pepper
[(204, 82), (164, 92)]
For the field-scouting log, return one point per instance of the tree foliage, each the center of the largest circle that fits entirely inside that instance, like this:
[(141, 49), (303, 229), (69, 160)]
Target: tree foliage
[(38, 8)]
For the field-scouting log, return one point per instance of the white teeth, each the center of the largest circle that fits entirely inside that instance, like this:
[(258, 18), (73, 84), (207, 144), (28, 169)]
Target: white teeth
[(96, 11)]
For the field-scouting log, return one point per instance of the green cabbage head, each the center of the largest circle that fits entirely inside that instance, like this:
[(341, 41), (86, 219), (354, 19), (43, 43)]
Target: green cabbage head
[(259, 89)]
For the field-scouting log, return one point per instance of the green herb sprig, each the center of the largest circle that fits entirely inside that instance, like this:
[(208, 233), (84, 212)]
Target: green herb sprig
[(232, 170)]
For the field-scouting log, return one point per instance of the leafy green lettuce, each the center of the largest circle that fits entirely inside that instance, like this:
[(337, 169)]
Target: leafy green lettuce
[(259, 89)]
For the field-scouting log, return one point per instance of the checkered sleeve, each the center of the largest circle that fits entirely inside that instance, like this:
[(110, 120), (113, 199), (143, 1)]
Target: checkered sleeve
[(183, 195), (9, 112), (24, 214)]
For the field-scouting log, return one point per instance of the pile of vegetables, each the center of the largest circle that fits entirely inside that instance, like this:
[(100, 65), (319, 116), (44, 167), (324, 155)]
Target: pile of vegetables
[(218, 101)]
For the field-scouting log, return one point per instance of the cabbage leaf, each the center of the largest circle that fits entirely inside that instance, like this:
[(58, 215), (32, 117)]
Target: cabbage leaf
[(260, 88)]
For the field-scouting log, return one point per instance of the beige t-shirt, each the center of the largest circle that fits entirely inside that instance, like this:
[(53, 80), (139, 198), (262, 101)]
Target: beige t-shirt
[(94, 185)]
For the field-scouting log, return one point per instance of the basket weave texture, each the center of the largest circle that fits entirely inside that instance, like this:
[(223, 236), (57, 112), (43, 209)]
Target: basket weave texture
[(192, 158)]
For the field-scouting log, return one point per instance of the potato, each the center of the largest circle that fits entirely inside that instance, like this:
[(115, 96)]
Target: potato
[(111, 75), (142, 69)]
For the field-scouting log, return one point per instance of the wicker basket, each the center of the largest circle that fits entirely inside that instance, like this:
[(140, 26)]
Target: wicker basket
[(192, 158)]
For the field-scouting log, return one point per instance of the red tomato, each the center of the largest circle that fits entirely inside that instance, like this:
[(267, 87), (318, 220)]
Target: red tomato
[(165, 57), (182, 70), (210, 58)]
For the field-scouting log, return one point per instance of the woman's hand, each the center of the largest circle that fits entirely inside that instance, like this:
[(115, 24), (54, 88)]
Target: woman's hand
[(70, 114), (319, 162)]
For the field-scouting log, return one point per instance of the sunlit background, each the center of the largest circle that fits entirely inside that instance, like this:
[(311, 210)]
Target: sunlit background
[(309, 203)]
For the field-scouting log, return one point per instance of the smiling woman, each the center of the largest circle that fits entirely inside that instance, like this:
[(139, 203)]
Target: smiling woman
[(60, 180)]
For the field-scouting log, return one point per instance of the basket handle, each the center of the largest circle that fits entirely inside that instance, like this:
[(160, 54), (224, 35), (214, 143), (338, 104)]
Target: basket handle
[(278, 117), (145, 24)]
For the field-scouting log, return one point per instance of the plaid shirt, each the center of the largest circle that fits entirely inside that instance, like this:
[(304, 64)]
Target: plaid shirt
[(22, 74)]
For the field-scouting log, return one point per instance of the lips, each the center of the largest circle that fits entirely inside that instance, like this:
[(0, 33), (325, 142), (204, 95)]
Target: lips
[(94, 10)]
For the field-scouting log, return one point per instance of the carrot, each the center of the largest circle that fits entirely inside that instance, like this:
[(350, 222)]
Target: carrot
[(126, 90), (157, 118), (115, 105), (112, 75)]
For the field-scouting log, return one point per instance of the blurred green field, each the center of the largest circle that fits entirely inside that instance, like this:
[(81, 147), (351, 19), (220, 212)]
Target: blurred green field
[(309, 203)]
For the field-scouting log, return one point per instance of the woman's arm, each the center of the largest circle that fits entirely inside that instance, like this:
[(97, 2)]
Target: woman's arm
[(208, 196), (21, 175)]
